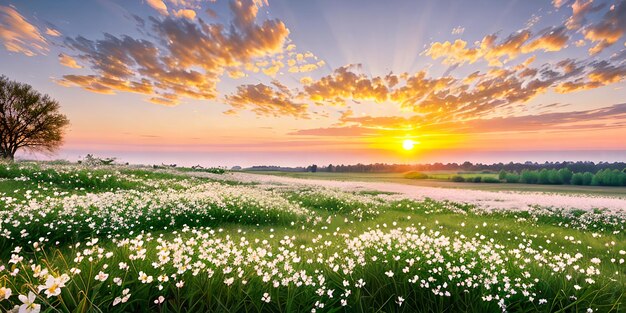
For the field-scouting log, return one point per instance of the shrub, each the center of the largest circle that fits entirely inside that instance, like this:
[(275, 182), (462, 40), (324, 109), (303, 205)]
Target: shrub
[(457, 178), (477, 179), (490, 180), (529, 177), (512, 178), (587, 178)]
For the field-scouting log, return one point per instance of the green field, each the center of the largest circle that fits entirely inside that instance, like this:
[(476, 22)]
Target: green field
[(118, 239), (443, 182)]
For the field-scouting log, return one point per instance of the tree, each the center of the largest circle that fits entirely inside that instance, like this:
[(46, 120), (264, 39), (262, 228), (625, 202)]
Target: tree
[(566, 175), (587, 178), (28, 120), (502, 174), (544, 177), (577, 179)]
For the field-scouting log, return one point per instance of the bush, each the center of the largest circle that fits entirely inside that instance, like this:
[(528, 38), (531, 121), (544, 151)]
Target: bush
[(477, 179), (529, 177), (415, 175), (490, 180), (457, 178), (512, 178), (587, 178)]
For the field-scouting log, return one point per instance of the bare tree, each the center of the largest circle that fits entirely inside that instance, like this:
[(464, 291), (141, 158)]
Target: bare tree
[(28, 120)]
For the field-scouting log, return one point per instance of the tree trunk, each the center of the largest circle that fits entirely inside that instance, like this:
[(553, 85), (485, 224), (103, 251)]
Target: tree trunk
[(7, 156)]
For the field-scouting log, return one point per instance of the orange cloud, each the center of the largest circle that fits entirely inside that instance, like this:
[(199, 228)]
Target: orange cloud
[(68, 61), (52, 32), (554, 40), (611, 116), (186, 13), (188, 62), (265, 100), (18, 35), (158, 5), (496, 54), (609, 30), (344, 83)]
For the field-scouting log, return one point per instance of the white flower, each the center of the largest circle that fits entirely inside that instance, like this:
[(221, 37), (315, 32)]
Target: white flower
[(117, 301), (159, 300), (53, 286), (389, 273), (5, 293), (543, 301), (400, 301), (144, 278), (266, 298), (102, 276), (29, 305)]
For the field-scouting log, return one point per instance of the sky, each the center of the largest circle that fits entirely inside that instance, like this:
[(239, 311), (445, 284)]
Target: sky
[(260, 82)]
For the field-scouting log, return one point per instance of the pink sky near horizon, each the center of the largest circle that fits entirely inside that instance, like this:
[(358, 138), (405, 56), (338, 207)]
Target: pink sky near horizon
[(296, 83)]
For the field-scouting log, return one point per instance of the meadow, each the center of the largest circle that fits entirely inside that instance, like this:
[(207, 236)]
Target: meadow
[(118, 239), (443, 179)]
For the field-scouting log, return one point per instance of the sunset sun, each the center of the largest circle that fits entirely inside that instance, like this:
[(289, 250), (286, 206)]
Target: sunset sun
[(408, 144)]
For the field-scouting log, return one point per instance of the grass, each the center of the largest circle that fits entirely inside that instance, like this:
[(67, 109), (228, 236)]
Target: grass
[(211, 246)]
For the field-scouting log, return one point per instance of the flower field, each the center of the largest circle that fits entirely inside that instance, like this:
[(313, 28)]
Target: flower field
[(120, 239)]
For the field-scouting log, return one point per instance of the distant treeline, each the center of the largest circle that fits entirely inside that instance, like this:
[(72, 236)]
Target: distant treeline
[(565, 176), (276, 168), (576, 167)]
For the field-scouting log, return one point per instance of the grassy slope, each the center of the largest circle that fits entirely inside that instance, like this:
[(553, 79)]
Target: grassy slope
[(399, 179), (506, 230)]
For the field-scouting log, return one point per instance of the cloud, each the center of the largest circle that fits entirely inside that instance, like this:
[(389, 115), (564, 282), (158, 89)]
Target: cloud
[(347, 131), (52, 32), (580, 10), (186, 13), (496, 54), (185, 60), (158, 5), (609, 29), (552, 40), (68, 61), (266, 100), (346, 83), (559, 3), (18, 35), (458, 30), (610, 116)]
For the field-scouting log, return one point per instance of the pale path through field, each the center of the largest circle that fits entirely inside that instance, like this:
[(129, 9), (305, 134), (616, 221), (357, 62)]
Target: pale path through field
[(484, 199)]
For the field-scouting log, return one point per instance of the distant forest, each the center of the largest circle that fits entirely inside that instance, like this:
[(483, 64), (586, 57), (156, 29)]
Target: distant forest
[(576, 167)]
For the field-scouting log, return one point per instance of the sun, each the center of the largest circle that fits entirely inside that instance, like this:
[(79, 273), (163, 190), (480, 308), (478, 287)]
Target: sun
[(408, 144)]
